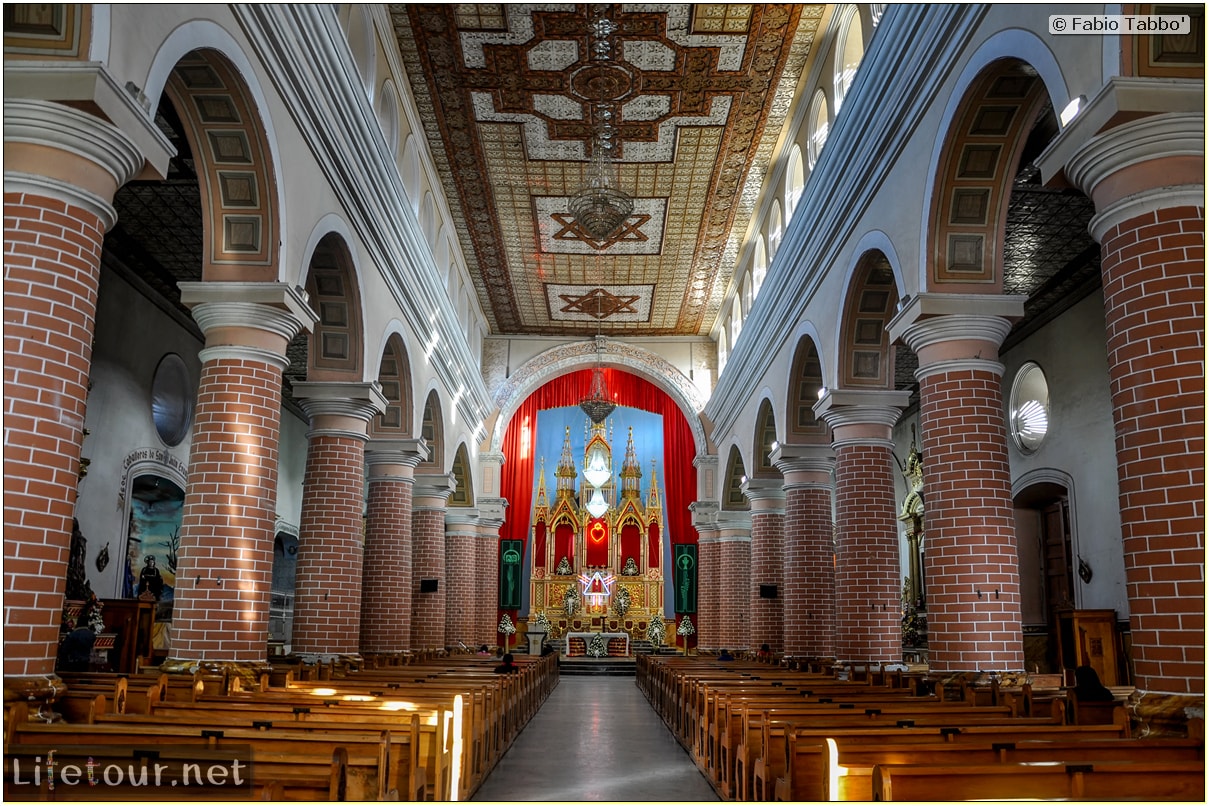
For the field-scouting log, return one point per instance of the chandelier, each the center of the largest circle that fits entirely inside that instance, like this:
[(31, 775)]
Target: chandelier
[(600, 207), (597, 404)]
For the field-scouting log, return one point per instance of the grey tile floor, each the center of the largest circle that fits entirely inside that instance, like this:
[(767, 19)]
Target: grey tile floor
[(596, 739)]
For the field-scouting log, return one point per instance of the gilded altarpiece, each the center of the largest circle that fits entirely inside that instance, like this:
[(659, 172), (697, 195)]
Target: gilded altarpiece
[(596, 539)]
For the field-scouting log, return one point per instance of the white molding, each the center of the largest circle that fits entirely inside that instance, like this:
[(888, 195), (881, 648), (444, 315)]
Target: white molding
[(35, 185)]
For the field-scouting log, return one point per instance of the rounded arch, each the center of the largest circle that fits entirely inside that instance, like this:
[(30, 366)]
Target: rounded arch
[(849, 51), (388, 116), (428, 218), (337, 345), (432, 429), (805, 383), (394, 376), (764, 435), (1038, 490), (774, 229), (795, 181), (817, 123), (411, 170), (233, 150), (583, 355), (463, 490), (732, 482), (1009, 47), (759, 267), (361, 43), (870, 302)]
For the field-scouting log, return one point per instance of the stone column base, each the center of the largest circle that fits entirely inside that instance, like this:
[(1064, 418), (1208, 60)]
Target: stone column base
[(37, 692), (1159, 715), (247, 673)]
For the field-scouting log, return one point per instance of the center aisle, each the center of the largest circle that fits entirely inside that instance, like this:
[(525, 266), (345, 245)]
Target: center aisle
[(596, 738)]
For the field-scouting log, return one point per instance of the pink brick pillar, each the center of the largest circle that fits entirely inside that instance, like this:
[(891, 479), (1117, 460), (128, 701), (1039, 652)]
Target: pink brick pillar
[(461, 575), (428, 559), (385, 604), (487, 593), (225, 568), (734, 572), (970, 560), (708, 574), (868, 599), (61, 170), (1146, 179), (767, 499), (809, 615), (331, 534)]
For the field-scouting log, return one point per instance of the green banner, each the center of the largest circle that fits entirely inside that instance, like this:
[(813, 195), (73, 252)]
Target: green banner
[(684, 560), (510, 575)]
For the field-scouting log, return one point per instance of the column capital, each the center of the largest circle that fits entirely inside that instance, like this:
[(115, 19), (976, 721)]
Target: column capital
[(437, 487), (767, 496), (705, 514), (340, 409), (1122, 98), (705, 460), (496, 458), (462, 520), (248, 321), (403, 452), (37, 135), (956, 331), (734, 524), (805, 466), (491, 511), (861, 417)]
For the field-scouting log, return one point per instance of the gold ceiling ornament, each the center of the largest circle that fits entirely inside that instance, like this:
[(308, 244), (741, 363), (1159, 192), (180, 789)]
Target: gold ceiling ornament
[(600, 207)]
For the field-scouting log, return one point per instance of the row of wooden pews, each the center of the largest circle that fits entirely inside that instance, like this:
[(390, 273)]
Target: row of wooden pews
[(428, 730), (761, 732)]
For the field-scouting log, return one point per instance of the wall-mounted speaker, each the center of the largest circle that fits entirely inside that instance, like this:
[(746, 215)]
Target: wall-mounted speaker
[(768, 591), (428, 585)]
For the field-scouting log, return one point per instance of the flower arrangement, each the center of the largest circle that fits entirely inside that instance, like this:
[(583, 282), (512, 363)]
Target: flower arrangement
[(915, 623), (685, 628), (571, 601), (630, 569), (655, 630), (507, 629), (541, 623), (564, 566), (598, 647), (621, 602)]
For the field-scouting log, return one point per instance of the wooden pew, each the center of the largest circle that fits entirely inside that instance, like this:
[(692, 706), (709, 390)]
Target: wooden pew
[(1148, 781), (840, 767)]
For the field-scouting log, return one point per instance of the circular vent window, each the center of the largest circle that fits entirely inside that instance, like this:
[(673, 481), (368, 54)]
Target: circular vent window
[(1028, 415), (172, 399)]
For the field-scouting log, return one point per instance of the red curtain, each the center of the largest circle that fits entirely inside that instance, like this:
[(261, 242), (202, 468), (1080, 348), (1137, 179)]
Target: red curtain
[(630, 544), (564, 545), (679, 475), (596, 539)]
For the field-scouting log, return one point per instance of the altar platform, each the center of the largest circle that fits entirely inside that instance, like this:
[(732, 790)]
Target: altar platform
[(608, 667)]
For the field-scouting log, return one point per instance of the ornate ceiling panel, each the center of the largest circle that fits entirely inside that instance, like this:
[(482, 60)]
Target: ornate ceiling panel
[(507, 94)]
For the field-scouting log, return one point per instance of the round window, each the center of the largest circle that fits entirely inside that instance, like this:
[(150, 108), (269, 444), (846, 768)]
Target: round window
[(1028, 415), (171, 399)]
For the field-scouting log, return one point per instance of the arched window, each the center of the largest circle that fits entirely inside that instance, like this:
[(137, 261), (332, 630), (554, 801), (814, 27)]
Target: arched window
[(361, 43), (746, 295), (736, 320), (759, 268), (388, 117), (795, 182), (774, 229), (722, 351), (818, 127), (848, 53), (411, 170)]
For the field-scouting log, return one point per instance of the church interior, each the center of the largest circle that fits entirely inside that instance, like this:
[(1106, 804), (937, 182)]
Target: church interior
[(798, 361)]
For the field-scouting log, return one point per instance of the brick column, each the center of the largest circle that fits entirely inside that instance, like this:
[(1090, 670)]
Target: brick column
[(705, 515), (331, 532), (970, 560), (868, 579), (767, 498), (491, 518), (734, 573), (428, 559), (57, 208), (1146, 177), (386, 604), (225, 568), (809, 551), (461, 575)]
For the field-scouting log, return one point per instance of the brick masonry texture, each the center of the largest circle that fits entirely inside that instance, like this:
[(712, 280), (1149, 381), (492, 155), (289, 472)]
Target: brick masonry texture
[(385, 604), (809, 574)]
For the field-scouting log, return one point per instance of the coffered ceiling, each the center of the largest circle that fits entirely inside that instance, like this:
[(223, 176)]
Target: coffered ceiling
[(509, 95)]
